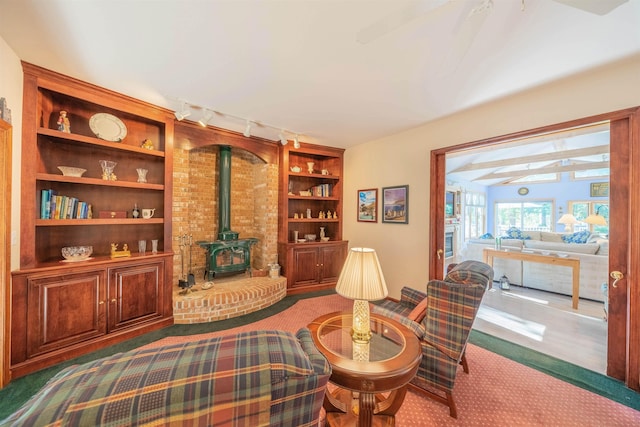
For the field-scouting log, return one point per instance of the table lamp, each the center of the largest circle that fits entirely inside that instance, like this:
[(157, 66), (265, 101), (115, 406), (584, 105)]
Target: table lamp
[(568, 220), (361, 280)]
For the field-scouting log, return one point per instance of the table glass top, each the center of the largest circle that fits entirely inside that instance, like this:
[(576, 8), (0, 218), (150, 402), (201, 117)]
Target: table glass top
[(386, 341)]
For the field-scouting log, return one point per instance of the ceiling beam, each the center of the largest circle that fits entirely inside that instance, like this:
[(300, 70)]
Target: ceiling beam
[(560, 155), (540, 171)]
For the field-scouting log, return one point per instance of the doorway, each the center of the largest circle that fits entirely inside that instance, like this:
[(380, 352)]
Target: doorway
[(623, 340)]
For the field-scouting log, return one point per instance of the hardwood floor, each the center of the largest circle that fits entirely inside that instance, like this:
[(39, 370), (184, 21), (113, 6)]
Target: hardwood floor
[(546, 322)]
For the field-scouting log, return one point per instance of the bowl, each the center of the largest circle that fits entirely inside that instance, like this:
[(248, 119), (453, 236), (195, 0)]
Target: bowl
[(324, 239), (77, 253), (301, 240), (295, 169), (310, 237), (71, 171)]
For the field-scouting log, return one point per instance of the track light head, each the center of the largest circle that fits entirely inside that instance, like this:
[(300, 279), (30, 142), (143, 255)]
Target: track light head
[(247, 129), (296, 142), (184, 112), (283, 139), (206, 116)]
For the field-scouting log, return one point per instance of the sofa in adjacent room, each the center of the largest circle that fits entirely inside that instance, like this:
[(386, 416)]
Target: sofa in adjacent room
[(258, 378), (592, 251)]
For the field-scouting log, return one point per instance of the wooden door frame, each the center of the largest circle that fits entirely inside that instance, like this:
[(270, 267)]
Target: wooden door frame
[(6, 140), (623, 359)]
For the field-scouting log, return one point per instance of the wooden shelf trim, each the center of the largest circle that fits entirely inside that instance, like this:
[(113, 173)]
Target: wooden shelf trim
[(97, 221), (293, 197), (314, 220), (81, 139), (314, 175), (98, 181)]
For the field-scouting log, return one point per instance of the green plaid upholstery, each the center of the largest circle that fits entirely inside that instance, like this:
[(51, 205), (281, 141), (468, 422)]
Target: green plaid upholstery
[(258, 378), (409, 298), (471, 272), (452, 307), (451, 310)]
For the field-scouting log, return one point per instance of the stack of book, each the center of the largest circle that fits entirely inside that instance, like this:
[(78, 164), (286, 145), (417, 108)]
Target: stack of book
[(55, 206), (322, 190)]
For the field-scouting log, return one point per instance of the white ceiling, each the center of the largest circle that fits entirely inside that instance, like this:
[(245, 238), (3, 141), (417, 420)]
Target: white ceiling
[(297, 64)]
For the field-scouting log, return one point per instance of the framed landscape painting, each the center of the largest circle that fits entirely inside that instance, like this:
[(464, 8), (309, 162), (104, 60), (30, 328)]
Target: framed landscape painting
[(395, 204), (368, 205)]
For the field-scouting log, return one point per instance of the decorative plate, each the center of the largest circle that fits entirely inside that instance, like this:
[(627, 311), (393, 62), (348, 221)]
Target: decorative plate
[(523, 191), (108, 127)]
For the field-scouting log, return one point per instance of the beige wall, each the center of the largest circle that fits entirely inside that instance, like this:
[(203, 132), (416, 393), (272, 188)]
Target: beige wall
[(404, 158), (11, 90)]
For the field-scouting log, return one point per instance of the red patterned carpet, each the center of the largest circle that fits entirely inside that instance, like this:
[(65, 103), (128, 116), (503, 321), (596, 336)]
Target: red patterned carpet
[(497, 392)]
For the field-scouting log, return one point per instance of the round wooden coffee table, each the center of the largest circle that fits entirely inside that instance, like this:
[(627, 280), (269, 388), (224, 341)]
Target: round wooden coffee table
[(363, 372)]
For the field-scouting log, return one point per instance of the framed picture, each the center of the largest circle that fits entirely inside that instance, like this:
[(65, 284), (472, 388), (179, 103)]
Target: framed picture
[(368, 205), (599, 189), (395, 204)]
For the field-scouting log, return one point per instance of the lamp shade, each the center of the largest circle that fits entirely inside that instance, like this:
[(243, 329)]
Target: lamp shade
[(595, 220), (361, 277), (567, 219)]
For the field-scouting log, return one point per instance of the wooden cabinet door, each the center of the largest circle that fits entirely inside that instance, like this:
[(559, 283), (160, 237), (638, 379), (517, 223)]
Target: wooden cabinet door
[(135, 294), (331, 261), (306, 265), (64, 310)]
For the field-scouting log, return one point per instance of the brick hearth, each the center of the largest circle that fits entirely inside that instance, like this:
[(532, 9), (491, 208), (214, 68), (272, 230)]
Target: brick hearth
[(229, 297)]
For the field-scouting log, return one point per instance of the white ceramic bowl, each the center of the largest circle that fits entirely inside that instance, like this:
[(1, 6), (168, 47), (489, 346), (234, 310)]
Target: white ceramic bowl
[(295, 169), (310, 237), (71, 171), (324, 239), (77, 253)]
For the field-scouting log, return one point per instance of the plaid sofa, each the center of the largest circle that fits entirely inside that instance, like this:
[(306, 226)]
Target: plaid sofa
[(258, 378)]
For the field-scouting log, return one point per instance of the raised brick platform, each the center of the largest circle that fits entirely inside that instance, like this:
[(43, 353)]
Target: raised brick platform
[(229, 297)]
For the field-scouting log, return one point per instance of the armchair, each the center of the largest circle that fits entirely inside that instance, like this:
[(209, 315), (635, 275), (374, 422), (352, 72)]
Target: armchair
[(450, 308)]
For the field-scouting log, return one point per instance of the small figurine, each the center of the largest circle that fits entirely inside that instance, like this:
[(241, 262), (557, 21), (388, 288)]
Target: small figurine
[(115, 253), (63, 122), (147, 144), (335, 215)]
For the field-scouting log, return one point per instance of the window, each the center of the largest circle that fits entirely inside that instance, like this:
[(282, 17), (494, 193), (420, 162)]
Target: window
[(531, 215), (582, 209), (475, 214)]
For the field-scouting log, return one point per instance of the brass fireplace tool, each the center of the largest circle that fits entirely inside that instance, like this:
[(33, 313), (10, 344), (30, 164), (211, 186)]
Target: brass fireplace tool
[(183, 283)]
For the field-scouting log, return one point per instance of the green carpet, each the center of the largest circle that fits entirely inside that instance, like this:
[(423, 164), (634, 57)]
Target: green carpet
[(20, 390)]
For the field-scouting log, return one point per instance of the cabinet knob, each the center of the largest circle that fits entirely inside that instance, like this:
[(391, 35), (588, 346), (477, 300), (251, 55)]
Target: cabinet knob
[(113, 301), (101, 302)]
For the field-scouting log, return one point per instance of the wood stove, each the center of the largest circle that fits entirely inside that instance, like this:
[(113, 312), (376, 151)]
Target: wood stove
[(228, 254), (232, 256)]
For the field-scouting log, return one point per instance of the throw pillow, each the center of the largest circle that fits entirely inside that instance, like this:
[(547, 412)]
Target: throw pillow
[(516, 233), (419, 311), (577, 237), (486, 236)]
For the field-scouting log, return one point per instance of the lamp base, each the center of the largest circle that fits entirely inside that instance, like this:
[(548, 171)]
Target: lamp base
[(361, 330)]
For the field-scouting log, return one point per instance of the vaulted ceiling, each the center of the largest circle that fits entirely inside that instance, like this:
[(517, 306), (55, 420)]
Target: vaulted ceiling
[(338, 72), (573, 150)]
